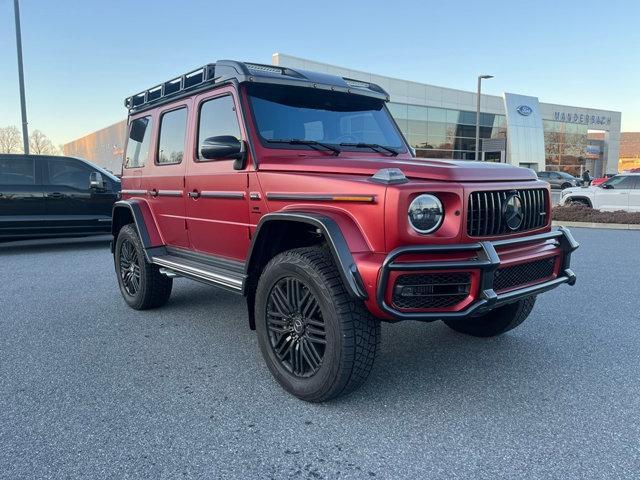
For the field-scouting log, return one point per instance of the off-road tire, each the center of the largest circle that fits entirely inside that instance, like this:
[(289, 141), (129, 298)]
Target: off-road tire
[(154, 288), (352, 333), (495, 322)]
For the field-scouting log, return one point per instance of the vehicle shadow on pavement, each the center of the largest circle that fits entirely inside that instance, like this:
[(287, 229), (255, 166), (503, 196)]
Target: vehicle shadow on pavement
[(430, 362), (189, 294), (416, 361), (20, 247)]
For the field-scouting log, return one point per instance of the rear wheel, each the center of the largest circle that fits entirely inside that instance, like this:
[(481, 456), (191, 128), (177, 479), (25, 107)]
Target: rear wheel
[(141, 283), (317, 340), (496, 322), (565, 185)]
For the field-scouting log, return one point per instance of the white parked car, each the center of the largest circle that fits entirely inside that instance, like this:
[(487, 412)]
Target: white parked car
[(620, 192)]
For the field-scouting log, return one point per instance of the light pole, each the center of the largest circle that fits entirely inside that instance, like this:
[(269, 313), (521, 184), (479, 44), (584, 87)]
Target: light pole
[(480, 78), (23, 104)]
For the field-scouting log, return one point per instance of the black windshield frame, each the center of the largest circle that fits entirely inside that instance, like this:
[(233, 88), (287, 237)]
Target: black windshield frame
[(402, 147)]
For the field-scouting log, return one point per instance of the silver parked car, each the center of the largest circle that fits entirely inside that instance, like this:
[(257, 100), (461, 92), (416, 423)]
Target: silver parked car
[(560, 180)]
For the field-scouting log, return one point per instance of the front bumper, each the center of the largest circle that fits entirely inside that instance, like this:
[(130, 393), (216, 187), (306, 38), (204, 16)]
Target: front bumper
[(486, 260)]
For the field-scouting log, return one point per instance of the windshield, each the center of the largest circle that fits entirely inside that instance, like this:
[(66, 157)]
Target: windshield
[(348, 121)]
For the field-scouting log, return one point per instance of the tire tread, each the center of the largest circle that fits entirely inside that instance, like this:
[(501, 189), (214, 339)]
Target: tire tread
[(495, 322), (361, 331), (157, 287)]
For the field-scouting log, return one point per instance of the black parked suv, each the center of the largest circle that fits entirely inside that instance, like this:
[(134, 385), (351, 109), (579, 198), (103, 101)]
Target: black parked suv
[(49, 196)]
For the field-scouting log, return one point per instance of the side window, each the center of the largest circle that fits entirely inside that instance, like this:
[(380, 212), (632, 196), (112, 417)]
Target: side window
[(621, 182), (138, 143), (173, 128), (217, 117), (68, 173), (17, 171)]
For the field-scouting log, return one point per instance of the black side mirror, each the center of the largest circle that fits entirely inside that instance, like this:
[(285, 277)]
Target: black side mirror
[(224, 147), (606, 186), (138, 129), (95, 181)]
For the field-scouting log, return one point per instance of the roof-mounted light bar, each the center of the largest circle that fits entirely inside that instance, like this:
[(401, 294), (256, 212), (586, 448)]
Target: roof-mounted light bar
[(265, 68), (233, 71), (170, 88), (356, 83)]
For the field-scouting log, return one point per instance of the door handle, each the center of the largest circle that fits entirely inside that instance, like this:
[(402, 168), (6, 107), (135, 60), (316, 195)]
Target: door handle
[(55, 195), (195, 194), (153, 192)]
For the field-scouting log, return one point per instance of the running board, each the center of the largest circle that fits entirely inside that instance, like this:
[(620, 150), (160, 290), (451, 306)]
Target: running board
[(218, 277)]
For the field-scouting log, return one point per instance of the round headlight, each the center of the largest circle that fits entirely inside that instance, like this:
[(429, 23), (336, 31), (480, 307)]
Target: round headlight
[(426, 213)]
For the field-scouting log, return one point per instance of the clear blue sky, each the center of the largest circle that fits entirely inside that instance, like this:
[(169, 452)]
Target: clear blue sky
[(83, 57)]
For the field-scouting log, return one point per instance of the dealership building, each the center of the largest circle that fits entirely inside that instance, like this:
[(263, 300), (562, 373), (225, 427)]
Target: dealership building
[(440, 122)]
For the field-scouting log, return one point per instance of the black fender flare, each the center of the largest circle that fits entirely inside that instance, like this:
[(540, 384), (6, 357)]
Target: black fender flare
[(335, 240), (135, 208)]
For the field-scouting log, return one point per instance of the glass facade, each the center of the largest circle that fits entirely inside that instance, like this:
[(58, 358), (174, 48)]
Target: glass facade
[(445, 133), (565, 146)]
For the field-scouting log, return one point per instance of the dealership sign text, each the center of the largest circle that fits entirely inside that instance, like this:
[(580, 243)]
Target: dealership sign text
[(581, 118)]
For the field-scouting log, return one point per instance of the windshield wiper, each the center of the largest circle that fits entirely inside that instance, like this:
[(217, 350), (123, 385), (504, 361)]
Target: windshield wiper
[(372, 146), (312, 143)]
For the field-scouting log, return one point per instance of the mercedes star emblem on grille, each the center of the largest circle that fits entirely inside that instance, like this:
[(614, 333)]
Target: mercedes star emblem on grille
[(512, 211)]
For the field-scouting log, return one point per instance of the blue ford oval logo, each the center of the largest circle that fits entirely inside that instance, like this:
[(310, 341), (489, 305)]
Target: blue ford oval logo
[(525, 110)]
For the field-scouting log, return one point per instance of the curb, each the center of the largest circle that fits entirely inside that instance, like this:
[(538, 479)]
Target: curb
[(616, 226)]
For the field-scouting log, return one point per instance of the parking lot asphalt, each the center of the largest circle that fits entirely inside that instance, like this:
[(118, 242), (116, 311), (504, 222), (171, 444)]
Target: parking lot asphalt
[(92, 389)]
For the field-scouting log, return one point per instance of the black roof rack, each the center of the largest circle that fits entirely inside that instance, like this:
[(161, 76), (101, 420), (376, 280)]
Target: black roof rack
[(225, 71)]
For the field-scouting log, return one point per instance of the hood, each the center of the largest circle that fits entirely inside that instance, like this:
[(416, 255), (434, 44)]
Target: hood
[(584, 190), (424, 169)]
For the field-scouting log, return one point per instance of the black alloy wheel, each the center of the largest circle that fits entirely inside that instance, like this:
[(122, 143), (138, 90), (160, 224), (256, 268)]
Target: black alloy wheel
[(129, 267), (296, 327), (317, 340), (141, 283)]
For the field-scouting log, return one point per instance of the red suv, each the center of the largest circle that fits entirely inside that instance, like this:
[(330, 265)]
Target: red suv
[(297, 190)]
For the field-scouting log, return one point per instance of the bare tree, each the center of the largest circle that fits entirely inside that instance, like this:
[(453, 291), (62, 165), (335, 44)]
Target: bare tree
[(40, 144), (10, 140)]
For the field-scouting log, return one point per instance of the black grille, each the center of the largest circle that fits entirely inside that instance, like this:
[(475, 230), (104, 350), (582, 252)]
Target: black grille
[(523, 273), (484, 213), (431, 290)]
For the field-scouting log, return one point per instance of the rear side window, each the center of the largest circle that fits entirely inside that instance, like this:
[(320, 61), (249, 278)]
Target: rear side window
[(17, 171), (620, 182), (217, 117), (68, 173), (138, 143), (173, 127)]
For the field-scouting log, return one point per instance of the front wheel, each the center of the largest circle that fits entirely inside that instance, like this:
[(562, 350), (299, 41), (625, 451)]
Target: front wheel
[(141, 283), (317, 340), (578, 201), (496, 322)]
